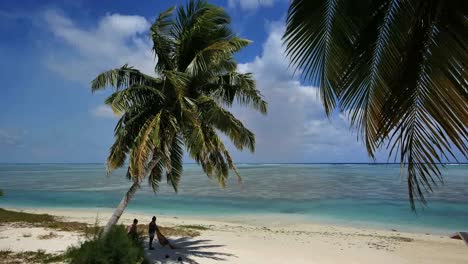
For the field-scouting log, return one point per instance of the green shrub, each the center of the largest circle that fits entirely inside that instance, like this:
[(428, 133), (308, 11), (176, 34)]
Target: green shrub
[(116, 247)]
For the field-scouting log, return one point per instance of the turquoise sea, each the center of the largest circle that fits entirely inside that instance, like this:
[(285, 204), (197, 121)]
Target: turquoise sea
[(371, 195)]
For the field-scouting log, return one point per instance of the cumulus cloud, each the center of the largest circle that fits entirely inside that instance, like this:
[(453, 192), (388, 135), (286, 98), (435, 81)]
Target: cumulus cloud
[(103, 111), (296, 128), (115, 40), (11, 137), (250, 4)]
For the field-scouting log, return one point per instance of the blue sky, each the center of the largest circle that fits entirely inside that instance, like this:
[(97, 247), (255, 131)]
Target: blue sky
[(51, 50)]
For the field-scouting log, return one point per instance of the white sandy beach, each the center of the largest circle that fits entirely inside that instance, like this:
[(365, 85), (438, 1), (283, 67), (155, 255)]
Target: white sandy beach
[(257, 241)]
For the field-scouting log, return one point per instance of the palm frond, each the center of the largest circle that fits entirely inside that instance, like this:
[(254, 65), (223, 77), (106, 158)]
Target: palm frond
[(163, 42), (397, 68), (308, 36), (214, 54), (121, 78), (218, 145), (427, 113), (118, 154), (175, 172), (199, 25), (156, 175), (223, 120), (179, 82), (145, 142), (236, 87), (135, 95)]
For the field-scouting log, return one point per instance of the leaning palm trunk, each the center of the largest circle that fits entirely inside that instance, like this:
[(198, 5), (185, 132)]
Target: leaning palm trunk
[(127, 197), (121, 207)]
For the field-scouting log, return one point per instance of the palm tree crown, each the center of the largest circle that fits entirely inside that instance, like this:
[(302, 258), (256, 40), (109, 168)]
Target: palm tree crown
[(398, 67), (184, 104)]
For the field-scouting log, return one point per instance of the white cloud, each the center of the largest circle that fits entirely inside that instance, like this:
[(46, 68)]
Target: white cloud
[(11, 137), (296, 128), (250, 4), (114, 41), (103, 111)]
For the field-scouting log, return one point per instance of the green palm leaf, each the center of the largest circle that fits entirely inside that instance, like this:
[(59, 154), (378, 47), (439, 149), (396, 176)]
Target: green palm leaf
[(122, 78), (163, 44), (397, 68), (174, 173)]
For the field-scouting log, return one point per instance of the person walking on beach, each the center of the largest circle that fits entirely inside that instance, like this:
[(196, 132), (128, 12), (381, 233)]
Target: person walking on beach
[(132, 230), (151, 231)]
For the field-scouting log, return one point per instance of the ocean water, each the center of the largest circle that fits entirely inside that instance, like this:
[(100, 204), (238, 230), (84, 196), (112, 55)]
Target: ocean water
[(370, 195)]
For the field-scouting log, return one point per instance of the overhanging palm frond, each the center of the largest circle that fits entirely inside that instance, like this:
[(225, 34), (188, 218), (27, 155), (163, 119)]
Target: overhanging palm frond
[(308, 37), (215, 54), (398, 69), (174, 173), (117, 154), (163, 42), (223, 120), (156, 175), (145, 142), (236, 87), (121, 147), (123, 100), (121, 78), (218, 145), (427, 112), (212, 159)]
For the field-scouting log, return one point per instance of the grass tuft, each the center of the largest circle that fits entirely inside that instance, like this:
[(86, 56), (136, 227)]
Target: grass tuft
[(39, 256), (40, 220)]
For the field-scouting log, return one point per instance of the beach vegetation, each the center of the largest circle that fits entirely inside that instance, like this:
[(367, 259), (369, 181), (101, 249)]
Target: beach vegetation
[(397, 69), (115, 247), (183, 104), (39, 256), (40, 220), (53, 222)]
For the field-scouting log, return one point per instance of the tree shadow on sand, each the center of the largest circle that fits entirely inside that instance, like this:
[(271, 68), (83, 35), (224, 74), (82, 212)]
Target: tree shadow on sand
[(186, 248)]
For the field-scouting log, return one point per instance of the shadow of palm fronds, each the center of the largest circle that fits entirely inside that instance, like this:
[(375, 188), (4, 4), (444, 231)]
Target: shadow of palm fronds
[(186, 249)]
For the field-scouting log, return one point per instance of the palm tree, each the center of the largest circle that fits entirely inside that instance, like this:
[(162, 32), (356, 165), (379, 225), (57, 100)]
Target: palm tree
[(184, 104), (398, 68)]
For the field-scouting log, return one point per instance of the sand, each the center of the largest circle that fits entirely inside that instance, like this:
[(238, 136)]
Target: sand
[(257, 240)]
